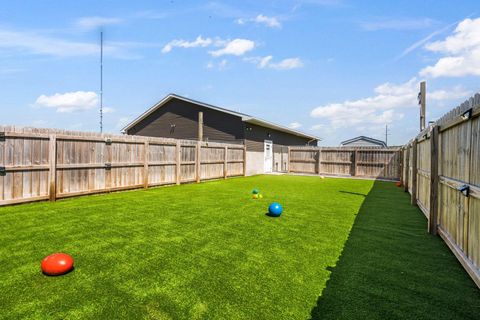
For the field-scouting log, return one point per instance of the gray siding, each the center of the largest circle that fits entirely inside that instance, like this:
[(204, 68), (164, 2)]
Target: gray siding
[(362, 143), (218, 126), (255, 138)]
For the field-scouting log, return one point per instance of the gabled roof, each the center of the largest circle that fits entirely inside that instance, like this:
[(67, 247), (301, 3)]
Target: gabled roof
[(372, 140), (245, 117)]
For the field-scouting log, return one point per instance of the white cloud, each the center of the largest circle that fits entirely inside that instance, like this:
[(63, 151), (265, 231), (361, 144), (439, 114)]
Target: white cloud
[(390, 101), (456, 93), (466, 36), (263, 63), (461, 52), (271, 22), (383, 107), (33, 42), (89, 23), (198, 42), (220, 65), (236, 47), (69, 101), (397, 24), (294, 125), (343, 115), (424, 40), (285, 64)]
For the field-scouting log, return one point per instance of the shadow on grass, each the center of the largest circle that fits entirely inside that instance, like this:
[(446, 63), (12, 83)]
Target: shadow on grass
[(268, 214), (355, 193), (60, 274), (390, 268)]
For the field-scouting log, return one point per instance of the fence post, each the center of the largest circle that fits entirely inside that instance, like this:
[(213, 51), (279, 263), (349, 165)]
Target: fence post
[(52, 160), (197, 161), (107, 159), (401, 165), (289, 159), (245, 158), (177, 162), (414, 173), (319, 162), (355, 159), (433, 214), (145, 164), (225, 162), (200, 126), (407, 168)]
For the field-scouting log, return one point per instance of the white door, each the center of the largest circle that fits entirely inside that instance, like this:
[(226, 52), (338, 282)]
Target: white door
[(268, 152)]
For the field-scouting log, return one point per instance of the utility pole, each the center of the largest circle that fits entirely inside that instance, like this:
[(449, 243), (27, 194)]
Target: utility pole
[(422, 102), (101, 81)]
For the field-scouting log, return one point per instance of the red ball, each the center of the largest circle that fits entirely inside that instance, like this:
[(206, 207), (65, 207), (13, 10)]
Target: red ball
[(57, 264)]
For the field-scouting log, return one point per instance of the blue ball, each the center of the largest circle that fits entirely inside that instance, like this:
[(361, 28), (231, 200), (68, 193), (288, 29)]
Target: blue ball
[(275, 209)]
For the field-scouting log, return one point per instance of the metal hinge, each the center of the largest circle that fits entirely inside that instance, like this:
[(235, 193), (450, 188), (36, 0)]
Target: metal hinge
[(464, 189), (467, 114), (108, 166), (2, 136), (3, 172)]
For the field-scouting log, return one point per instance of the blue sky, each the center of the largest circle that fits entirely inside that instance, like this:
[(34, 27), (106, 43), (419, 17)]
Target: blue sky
[(333, 68)]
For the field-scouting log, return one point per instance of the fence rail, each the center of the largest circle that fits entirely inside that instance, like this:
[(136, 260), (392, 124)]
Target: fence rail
[(382, 163), (40, 164), (444, 181)]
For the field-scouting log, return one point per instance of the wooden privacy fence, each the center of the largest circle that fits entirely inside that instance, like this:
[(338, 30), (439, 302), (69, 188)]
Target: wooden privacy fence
[(38, 164), (356, 162), (442, 174)]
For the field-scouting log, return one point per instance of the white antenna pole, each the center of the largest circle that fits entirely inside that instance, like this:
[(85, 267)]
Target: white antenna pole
[(101, 81)]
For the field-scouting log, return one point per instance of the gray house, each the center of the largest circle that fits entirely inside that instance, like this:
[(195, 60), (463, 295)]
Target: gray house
[(362, 141), (183, 118)]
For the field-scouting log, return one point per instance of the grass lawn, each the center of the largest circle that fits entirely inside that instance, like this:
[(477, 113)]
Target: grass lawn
[(208, 251)]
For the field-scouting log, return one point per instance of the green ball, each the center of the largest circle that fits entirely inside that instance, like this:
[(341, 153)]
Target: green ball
[(255, 191)]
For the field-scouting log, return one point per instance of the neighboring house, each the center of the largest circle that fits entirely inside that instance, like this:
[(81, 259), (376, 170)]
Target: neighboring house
[(178, 117), (363, 141)]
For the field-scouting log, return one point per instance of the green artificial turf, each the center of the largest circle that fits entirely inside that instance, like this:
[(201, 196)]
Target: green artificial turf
[(391, 268), (208, 251)]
